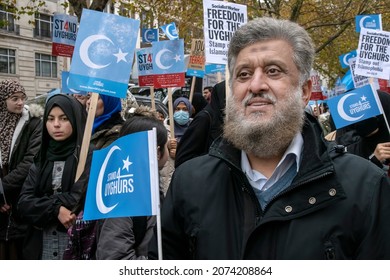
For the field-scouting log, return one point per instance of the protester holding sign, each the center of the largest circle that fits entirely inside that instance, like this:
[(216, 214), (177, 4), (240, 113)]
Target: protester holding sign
[(20, 131), (127, 238), (50, 193), (271, 188)]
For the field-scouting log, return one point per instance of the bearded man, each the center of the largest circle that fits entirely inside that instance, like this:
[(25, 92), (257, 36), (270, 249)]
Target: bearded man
[(271, 187)]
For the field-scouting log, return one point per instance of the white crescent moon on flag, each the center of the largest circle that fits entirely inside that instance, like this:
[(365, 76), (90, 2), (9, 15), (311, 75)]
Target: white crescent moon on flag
[(346, 58), (168, 31), (340, 109), (146, 36), (361, 22), (84, 48), (158, 59), (71, 89), (99, 185)]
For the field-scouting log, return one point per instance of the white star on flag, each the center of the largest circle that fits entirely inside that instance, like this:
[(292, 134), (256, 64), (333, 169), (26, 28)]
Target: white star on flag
[(120, 56), (126, 164), (177, 58), (363, 98)]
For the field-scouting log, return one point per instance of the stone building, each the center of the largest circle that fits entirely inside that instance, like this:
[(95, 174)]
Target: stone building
[(25, 49)]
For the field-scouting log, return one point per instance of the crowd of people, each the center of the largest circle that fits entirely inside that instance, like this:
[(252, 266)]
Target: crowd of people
[(252, 174)]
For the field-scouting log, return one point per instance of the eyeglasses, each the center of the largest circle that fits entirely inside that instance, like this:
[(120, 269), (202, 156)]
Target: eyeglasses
[(15, 99)]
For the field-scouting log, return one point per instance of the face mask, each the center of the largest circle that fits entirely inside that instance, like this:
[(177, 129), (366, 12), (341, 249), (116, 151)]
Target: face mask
[(181, 117)]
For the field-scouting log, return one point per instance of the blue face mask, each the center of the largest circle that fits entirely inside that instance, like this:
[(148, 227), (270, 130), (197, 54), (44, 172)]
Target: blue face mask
[(181, 117)]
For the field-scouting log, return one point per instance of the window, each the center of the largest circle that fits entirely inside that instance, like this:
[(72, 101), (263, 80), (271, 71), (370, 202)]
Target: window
[(43, 25), (7, 61), (45, 65), (7, 19)]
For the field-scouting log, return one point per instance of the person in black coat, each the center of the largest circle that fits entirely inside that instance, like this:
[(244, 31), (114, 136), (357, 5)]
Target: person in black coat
[(204, 128), (20, 131), (50, 192), (370, 138)]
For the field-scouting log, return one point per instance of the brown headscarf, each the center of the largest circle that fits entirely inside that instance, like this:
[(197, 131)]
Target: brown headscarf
[(8, 120)]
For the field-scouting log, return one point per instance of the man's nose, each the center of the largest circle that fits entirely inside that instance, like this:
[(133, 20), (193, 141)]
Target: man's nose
[(259, 82)]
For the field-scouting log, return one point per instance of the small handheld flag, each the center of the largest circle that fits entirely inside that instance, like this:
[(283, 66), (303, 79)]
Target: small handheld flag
[(124, 178), (355, 106)]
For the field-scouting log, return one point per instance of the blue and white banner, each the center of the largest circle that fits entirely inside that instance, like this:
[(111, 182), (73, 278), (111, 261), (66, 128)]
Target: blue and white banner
[(103, 55), (344, 58), (64, 34), (170, 31), (195, 73), (168, 57), (355, 106), (123, 180), (368, 22), (149, 35), (65, 85), (214, 68)]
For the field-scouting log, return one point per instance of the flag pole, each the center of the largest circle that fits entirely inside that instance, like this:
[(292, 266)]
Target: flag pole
[(170, 109), (192, 88), (152, 98), (159, 235), (87, 135)]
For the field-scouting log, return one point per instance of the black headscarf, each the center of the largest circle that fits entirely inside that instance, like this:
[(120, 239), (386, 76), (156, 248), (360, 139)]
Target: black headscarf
[(198, 103), (67, 150)]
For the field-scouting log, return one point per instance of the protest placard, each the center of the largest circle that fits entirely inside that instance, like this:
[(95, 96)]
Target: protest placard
[(64, 35), (373, 54), (221, 20)]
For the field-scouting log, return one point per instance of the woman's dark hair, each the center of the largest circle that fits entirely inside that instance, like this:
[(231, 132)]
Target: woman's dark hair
[(146, 121)]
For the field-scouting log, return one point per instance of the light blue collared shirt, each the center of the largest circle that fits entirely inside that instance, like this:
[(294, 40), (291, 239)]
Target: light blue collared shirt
[(262, 183)]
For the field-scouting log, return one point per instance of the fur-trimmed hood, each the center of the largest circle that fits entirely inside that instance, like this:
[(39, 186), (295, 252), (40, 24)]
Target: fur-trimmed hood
[(35, 110)]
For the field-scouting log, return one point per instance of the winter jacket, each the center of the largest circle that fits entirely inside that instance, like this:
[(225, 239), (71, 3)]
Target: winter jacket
[(26, 145), (117, 239), (337, 207)]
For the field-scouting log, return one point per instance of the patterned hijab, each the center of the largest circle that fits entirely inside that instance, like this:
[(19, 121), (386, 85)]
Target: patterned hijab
[(8, 120)]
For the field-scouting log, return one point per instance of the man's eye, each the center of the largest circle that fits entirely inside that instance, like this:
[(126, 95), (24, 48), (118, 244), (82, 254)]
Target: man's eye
[(273, 71), (243, 74)]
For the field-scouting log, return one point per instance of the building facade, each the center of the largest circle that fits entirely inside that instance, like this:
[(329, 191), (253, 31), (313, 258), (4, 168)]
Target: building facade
[(25, 49)]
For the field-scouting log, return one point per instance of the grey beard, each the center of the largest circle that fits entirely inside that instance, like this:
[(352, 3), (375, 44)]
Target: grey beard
[(265, 140)]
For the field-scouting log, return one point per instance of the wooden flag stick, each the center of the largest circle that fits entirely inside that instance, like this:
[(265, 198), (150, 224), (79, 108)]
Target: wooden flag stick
[(152, 97), (87, 135), (192, 88), (170, 109)]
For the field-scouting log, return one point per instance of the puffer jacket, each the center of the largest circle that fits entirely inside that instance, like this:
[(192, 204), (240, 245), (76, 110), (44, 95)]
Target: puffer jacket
[(27, 137), (337, 207)]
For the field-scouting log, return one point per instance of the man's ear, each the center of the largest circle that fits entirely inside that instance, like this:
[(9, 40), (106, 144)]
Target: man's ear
[(306, 92)]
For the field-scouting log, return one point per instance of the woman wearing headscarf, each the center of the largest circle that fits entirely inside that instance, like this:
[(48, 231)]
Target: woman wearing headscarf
[(198, 103), (108, 120), (105, 130), (50, 192), (182, 109), (204, 128), (20, 131)]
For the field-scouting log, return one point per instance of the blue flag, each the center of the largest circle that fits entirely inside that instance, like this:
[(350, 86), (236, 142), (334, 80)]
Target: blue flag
[(124, 178), (103, 55), (344, 58), (214, 68), (170, 31), (368, 22), (355, 106), (149, 35), (65, 85), (168, 57)]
